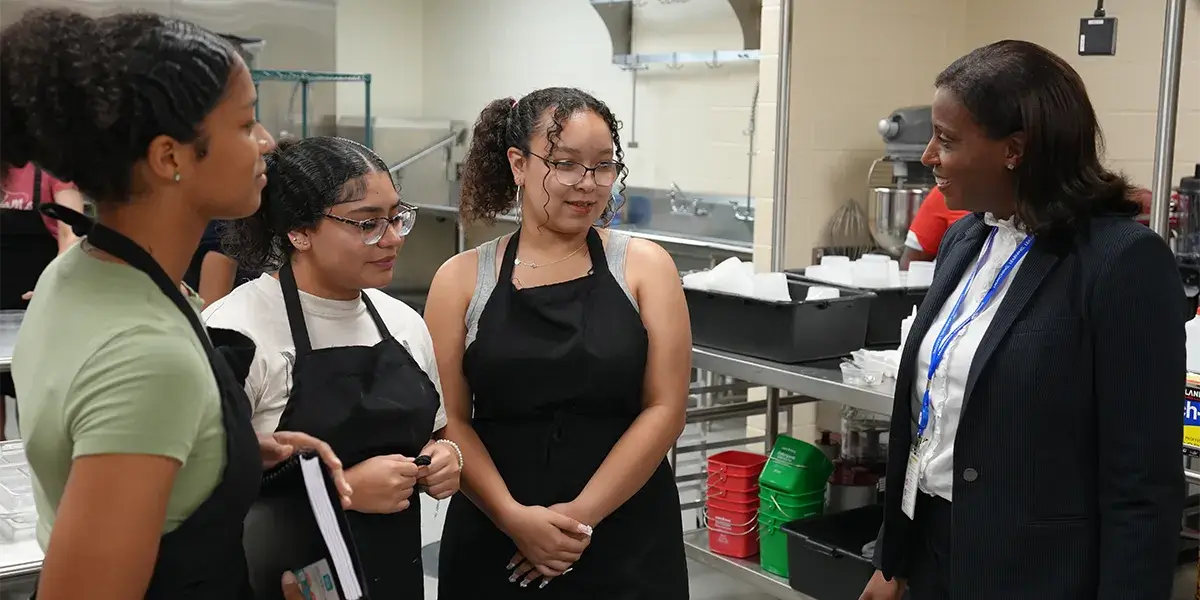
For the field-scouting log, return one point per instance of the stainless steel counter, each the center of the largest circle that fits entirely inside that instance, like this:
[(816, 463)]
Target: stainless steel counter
[(820, 381), (10, 322), (661, 237), (823, 381), (745, 570)]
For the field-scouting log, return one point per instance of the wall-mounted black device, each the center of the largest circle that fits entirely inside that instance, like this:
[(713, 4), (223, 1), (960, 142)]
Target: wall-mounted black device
[(1098, 35)]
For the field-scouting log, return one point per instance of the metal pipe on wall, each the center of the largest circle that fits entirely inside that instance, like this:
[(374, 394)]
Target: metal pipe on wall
[(782, 131), (1168, 109), (779, 204)]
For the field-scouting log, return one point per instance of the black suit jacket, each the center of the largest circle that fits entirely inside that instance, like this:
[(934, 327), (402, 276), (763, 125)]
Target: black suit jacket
[(1068, 480)]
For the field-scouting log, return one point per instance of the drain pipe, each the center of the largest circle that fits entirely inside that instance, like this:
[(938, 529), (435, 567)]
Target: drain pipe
[(1168, 109), (782, 131)]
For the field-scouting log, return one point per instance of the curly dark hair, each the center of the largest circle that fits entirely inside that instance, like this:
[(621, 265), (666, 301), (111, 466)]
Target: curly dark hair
[(487, 183), (305, 177), (83, 98), (1016, 86)]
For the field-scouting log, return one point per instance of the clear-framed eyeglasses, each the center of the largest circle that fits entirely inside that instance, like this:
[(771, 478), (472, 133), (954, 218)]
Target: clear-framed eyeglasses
[(374, 229), (569, 172)]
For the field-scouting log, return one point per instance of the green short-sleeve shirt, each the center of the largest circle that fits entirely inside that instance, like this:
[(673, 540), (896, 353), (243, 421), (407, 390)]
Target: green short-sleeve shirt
[(105, 363)]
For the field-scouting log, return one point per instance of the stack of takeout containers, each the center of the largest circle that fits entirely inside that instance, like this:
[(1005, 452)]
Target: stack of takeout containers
[(731, 506), (18, 517), (791, 487)]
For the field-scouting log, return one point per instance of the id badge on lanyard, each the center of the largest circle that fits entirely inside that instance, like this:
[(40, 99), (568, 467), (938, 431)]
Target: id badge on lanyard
[(912, 472)]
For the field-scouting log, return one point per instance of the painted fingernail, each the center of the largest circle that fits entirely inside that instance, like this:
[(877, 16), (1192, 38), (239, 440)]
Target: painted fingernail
[(510, 566), (544, 583), (524, 583), (568, 570), (584, 529), (513, 578)]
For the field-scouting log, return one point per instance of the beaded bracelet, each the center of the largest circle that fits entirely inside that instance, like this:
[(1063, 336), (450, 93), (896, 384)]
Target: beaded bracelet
[(457, 450)]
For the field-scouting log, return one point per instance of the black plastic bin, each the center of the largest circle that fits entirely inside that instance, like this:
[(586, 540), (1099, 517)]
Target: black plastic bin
[(786, 332), (825, 553), (889, 306)]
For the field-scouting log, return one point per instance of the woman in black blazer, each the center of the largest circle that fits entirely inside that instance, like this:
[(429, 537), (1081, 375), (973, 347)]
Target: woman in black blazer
[(1039, 457)]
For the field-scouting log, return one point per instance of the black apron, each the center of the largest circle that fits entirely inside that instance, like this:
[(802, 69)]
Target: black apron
[(26, 247), (556, 372), (364, 401), (202, 559)]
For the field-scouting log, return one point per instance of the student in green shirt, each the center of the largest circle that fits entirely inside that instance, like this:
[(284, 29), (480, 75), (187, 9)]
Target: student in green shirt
[(138, 434)]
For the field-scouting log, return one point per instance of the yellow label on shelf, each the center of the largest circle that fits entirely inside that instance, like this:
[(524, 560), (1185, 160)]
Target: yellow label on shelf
[(1191, 413)]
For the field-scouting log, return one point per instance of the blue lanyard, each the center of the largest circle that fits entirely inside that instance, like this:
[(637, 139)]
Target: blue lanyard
[(948, 334)]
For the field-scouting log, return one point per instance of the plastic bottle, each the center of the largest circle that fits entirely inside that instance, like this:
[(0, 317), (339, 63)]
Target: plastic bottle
[(906, 326), (1192, 329)]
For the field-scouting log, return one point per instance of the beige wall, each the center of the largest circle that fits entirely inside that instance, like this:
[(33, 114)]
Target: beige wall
[(852, 64), (1124, 88), (856, 60)]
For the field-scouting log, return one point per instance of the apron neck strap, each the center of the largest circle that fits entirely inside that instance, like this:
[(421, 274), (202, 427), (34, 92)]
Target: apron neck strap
[(384, 333), (295, 313), (127, 250)]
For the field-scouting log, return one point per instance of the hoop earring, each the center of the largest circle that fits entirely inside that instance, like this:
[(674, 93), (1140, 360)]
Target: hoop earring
[(520, 195), (611, 209)]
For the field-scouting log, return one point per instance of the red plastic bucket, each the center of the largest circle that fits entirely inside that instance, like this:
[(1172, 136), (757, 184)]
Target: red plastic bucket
[(732, 533), (735, 471), (722, 494), (746, 506)]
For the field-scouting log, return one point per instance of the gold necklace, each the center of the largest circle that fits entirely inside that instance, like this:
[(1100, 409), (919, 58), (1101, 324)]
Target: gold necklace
[(517, 262)]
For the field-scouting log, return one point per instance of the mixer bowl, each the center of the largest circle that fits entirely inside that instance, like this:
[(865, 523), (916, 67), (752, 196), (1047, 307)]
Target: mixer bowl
[(891, 211)]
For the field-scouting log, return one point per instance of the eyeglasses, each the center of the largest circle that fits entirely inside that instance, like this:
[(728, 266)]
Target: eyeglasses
[(374, 229), (569, 172)]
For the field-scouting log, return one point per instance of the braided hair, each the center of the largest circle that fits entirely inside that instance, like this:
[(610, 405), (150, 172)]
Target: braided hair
[(83, 97), (305, 177)]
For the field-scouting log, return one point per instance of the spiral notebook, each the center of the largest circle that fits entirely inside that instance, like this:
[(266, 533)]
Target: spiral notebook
[(299, 525)]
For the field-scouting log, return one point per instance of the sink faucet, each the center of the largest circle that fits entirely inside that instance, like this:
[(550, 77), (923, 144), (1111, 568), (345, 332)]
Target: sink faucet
[(681, 205), (743, 211)]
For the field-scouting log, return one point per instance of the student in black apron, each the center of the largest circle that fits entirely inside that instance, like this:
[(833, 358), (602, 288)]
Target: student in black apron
[(337, 359), (133, 501), (573, 384)]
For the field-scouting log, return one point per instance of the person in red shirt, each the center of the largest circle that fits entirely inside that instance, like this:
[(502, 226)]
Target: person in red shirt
[(31, 240), (928, 226), (934, 218)]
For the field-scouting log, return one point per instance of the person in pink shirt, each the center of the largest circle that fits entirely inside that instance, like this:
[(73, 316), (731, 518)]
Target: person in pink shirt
[(30, 240)]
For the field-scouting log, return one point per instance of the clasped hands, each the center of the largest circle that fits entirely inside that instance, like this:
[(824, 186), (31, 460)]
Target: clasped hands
[(385, 484), (549, 541)]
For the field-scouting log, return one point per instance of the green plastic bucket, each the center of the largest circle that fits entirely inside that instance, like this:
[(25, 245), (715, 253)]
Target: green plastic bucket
[(790, 507), (772, 545), (795, 467)]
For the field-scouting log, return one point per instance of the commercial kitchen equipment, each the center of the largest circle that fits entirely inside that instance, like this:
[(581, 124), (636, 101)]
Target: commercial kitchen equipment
[(891, 207)]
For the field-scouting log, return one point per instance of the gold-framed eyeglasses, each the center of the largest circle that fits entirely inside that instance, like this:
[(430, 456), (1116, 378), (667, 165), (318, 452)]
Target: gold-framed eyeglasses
[(569, 172), (374, 229)]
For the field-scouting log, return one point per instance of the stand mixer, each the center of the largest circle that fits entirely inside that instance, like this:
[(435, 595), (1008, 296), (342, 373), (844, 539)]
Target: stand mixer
[(906, 133)]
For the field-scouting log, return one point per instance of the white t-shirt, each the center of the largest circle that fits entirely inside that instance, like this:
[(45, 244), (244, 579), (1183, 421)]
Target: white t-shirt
[(255, 309)]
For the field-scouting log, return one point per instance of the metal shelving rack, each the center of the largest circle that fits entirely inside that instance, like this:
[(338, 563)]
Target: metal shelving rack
[(304, 78)]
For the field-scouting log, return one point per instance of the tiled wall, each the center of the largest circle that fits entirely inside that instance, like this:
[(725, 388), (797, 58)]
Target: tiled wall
[(856, 60), (385, 39), (853, 62), (1124, 87), (445, 59), (688, 124)]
